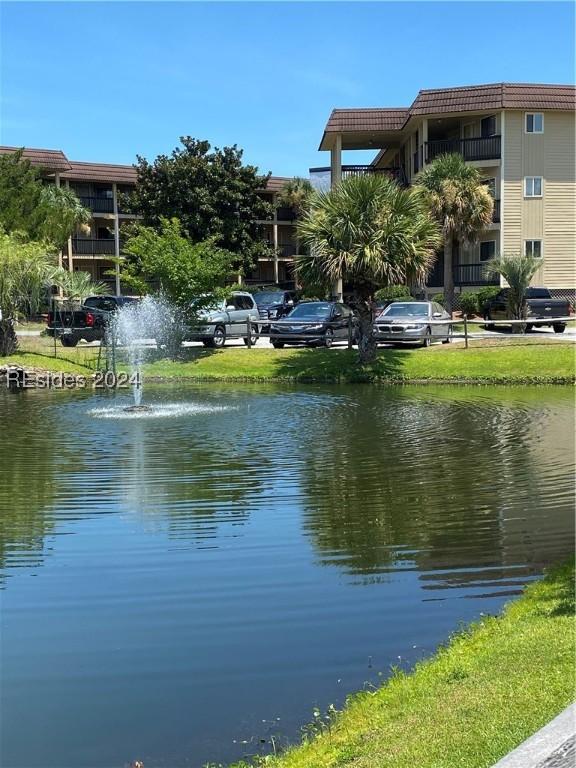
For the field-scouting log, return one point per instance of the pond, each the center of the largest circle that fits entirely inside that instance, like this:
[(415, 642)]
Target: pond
[(187, 587)]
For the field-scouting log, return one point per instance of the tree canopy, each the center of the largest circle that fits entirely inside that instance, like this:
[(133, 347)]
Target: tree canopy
[(518, 270), (212, 193), (42, 212), (166, 259)]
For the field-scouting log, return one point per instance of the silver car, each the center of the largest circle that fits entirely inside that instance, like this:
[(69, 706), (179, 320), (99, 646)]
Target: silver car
[(413, 321), (227, 319)]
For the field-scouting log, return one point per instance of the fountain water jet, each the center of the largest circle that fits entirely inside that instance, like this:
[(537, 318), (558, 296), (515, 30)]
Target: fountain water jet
[(138, 327)]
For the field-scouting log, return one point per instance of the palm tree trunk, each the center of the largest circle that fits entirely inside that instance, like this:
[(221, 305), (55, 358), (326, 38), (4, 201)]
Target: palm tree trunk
[(8, 338), (448, 274), (366, 340)]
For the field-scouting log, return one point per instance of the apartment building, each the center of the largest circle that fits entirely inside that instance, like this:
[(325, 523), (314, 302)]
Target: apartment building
[(521, 138), (102, 187)]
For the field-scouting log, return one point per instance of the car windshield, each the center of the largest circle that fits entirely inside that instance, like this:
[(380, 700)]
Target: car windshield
[(410, 309), (206, 304), (275, 297), (313, 311)]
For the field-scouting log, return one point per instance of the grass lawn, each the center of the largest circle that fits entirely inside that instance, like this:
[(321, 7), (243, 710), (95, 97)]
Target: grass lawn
[(476, 699), (486, 361)]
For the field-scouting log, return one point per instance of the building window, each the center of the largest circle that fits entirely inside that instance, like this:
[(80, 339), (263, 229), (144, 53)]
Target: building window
[(533, 248), (488, 126), (534, 122), (487, 250), (533, 186)]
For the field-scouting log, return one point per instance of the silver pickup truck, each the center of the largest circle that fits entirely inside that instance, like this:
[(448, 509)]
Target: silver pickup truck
[(541, 309)]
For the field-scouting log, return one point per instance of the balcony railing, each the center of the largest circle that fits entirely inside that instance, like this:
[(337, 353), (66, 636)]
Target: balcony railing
[(463, 274), (98, 204), (92, 246), (359, 170), (471, 149), (496, 212)]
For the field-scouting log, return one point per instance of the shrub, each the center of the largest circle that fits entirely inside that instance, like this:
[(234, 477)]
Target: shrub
[(484, 296), (468, 303), (438, 298), (393, 293)]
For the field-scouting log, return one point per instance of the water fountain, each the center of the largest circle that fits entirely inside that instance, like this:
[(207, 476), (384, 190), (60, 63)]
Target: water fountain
[(138, 327)]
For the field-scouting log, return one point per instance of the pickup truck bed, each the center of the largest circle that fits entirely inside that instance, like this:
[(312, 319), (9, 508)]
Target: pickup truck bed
[(87, 322)]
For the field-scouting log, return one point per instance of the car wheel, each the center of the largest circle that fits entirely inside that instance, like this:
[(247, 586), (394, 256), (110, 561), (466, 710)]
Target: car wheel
[(427, 340), (328, 338), (558, 327), (219, 338), (253, 340), (487, 325), (278, 344), (529, 327), (69, 341), (448, 338)]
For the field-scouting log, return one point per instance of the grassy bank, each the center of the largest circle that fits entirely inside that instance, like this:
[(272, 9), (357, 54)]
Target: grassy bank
[(486, 361), (475, 700)]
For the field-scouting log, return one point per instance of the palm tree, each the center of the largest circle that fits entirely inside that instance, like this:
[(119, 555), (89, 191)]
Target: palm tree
[(459, 202), (26, 269), (296, 194), (372, 233), (60, 213), (518, 271), (76, 286)]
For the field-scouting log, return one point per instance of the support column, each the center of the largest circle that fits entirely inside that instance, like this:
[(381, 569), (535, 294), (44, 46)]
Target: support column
[(116, 238), (424, 140), (335, 178), (336, 161), (69, 244), (275, 239)]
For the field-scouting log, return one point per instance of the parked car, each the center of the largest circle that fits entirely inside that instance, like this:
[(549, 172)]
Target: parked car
[(226, 319), (88, 321), (272, 305), (411, 321), (541, 309), (317, 323)]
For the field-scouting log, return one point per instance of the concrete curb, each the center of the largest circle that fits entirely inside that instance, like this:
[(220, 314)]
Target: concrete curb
[(553, 746)]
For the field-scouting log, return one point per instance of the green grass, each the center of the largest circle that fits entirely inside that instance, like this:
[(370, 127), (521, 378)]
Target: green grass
[(477, 698), (486, 361)]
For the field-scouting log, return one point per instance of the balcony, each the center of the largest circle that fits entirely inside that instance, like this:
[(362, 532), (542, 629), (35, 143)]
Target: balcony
[(91, 246), (463, 274), (471, 149), (359, 170), (98, 204)]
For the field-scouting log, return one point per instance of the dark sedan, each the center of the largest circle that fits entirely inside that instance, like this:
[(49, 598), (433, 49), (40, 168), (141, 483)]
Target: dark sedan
[(317, 323)]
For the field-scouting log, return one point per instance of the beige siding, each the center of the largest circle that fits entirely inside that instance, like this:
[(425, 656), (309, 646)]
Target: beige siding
[(552, 218)]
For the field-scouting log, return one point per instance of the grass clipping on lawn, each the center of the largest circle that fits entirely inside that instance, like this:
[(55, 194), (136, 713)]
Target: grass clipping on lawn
[(476, 699)]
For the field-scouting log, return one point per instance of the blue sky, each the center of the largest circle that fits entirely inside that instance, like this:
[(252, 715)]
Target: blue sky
[(105, 81)]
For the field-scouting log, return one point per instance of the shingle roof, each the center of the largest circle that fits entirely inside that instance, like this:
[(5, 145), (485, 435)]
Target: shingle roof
[(104, 172), (50, 159), (470, 98), (373, 119), (494, 96), (276, 183)]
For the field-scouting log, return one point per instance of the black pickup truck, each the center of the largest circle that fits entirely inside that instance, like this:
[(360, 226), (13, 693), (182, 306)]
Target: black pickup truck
[(87, 322), (541, 309)]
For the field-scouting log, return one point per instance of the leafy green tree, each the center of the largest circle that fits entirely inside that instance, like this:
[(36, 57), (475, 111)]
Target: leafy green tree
[(26, 268), (212, 193), (41, 211), (459, 202), (167, 259), (518, 270), (371, 233)]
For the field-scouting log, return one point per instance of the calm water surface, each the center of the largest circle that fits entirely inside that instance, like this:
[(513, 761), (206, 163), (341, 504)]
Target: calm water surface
[(184, 588)]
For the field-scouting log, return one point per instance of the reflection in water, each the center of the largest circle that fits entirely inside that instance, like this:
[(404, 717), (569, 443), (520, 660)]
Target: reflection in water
[(198, 560)]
